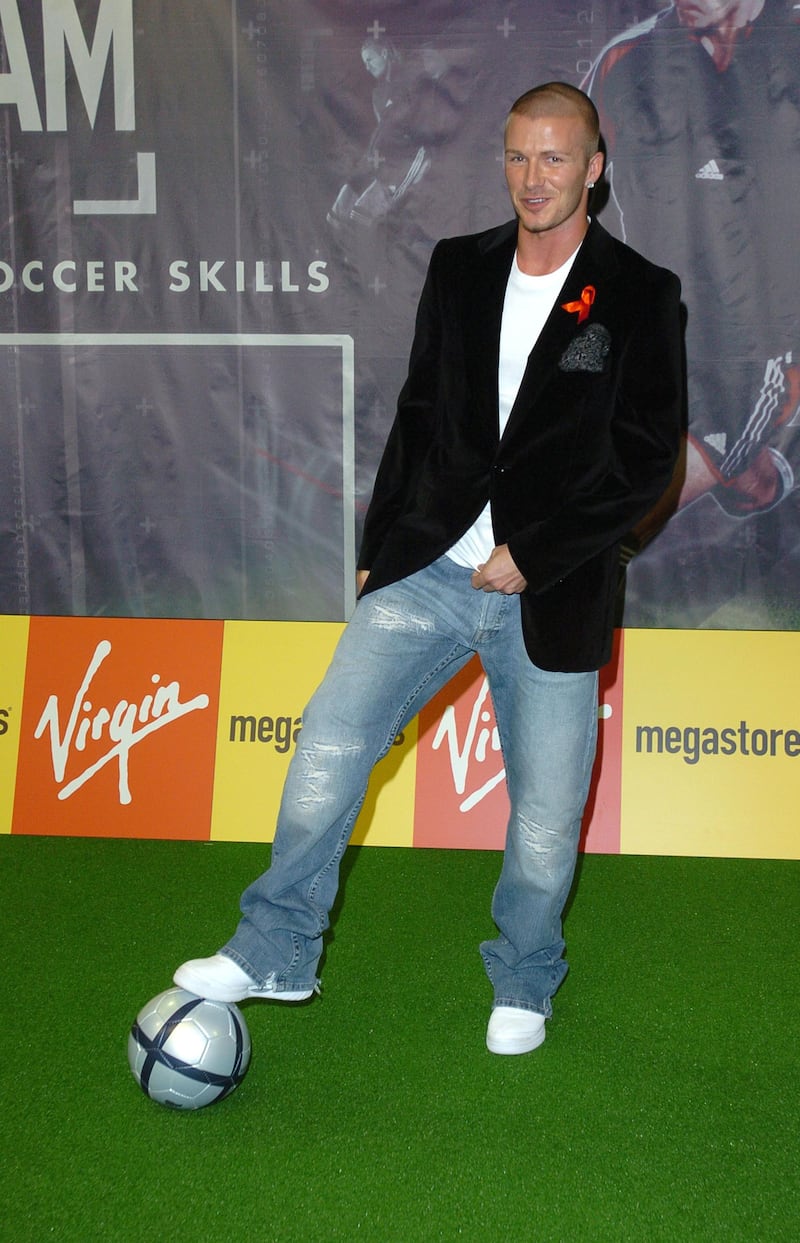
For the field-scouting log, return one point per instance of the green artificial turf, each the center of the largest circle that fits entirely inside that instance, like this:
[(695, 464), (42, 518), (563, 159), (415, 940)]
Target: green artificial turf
[(662, 1106)]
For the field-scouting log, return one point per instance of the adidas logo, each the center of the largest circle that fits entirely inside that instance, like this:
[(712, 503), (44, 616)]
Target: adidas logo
[(709, 172)]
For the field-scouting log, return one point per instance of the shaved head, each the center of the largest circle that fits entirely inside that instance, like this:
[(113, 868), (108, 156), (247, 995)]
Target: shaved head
[(561, 100)]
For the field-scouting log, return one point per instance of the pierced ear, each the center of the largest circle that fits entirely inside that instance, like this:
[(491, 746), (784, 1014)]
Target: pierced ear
[(595, 168)]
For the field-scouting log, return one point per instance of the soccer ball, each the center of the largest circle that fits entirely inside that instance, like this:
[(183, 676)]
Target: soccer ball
[(186, 1052)]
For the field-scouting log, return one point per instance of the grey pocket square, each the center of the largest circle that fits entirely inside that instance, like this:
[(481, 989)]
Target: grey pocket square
[(588, 350)]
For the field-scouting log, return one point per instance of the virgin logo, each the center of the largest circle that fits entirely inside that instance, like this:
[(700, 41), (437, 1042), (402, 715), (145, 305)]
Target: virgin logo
[(479, 744), (120, 727)]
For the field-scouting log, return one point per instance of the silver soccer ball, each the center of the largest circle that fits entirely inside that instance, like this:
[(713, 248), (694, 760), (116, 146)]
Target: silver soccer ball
[(186, 1052)]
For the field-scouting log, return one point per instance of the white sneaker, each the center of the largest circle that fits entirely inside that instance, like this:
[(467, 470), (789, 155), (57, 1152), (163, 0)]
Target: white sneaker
[(219, 978), (512, 1030)]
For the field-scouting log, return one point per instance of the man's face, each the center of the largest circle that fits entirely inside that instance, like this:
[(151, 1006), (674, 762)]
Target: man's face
[(374, 58), (698, 14), (547, 168)]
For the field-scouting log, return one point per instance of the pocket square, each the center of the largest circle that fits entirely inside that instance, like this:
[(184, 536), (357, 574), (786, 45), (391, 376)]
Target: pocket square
[(588, 350)]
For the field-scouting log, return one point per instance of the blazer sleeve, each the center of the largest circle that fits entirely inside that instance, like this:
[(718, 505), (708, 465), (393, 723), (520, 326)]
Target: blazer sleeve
[(413, 427), (645, 433)]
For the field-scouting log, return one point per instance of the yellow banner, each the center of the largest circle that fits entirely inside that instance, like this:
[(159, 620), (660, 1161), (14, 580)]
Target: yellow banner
[(711, 743), (14, 646), (269, 672)]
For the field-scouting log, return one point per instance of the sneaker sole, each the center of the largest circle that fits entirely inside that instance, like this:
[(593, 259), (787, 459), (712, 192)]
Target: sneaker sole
[(520, 1044)]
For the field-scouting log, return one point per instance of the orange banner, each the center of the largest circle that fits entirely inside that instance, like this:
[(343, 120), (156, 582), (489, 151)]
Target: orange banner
[(118, 728)]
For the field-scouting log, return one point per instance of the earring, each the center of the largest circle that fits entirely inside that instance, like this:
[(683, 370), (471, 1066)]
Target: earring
[(589, 185)]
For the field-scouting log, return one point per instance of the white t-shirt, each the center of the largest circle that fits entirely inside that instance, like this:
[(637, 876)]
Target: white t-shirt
[(528, 302)]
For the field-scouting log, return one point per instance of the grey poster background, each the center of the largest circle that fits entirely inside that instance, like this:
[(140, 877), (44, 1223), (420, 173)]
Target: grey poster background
[(307, 155)]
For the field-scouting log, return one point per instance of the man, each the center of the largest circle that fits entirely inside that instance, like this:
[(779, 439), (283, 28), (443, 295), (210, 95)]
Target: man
[(539, 420), (700, 108)]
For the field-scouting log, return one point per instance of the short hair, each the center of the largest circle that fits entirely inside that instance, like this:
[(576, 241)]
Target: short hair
[(561, 99)]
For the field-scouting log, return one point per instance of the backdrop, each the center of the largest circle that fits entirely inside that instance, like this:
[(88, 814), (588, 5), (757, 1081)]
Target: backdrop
[(217, 220)]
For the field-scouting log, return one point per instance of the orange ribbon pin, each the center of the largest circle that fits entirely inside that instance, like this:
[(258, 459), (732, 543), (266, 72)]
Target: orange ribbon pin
[(582, 307)]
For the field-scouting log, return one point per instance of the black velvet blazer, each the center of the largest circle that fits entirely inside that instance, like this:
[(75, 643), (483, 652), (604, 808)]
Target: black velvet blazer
[(589, 447)]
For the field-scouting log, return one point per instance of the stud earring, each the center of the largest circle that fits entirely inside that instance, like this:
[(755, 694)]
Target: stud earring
[(589, 185)]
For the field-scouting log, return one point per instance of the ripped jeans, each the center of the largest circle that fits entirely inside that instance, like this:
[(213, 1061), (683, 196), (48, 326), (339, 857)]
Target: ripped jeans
[(403, 643)]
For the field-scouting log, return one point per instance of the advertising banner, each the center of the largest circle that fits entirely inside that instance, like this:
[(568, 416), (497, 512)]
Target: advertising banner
[(118, 728), (178, 729)]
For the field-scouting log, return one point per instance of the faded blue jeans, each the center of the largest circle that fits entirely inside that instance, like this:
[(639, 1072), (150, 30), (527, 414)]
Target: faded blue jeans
[(403, 643)]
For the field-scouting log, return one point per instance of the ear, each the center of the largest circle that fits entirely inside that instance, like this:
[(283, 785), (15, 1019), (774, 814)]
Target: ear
[(595, 168)]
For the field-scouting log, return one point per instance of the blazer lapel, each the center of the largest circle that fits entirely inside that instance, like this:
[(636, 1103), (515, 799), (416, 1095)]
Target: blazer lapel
[(483, 324), (593, 264)]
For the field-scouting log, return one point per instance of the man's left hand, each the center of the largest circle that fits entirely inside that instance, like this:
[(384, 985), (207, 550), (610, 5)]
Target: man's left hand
[(499, 573)]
